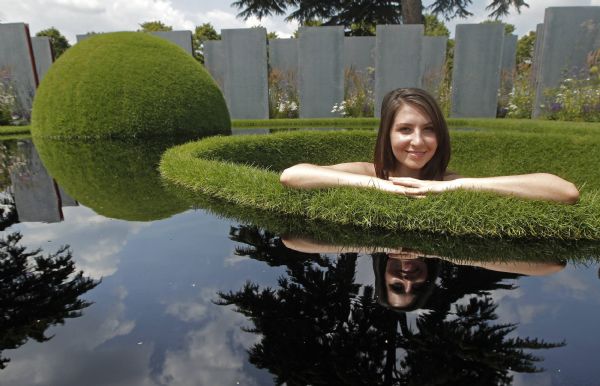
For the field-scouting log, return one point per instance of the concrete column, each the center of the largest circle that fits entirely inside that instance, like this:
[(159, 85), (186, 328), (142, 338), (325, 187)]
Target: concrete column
[(320, 70), (17, 64), (245, 85), (42, 51), (433, 58), (182, 38), (214, 61), (570, 34), (397, 59), (476, 71)]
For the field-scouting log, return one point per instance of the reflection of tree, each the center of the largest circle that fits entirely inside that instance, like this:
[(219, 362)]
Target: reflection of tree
[(317, 328), (36, 292)]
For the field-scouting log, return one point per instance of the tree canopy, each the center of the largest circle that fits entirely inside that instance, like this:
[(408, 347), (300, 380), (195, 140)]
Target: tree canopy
[(368, 12), (203, 33), (154, 26), (58, 42)]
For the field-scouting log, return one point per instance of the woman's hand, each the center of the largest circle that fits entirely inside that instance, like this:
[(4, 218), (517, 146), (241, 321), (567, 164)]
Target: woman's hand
[(420, 188)]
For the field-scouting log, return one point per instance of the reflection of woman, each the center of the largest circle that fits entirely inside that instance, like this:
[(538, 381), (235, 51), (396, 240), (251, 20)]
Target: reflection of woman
[(411, 156), (405, 279)]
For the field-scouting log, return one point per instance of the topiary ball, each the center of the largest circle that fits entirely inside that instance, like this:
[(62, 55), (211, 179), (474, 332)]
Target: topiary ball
[(128, 84)]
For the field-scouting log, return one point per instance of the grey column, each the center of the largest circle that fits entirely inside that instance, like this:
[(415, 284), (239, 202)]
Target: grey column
[(17, 64), (359, 52), (476, 71), (214, 61), (36, 196), (397, 59), (570, 34), (182, 38), (537, 56), (42, 51), (283, 54), (508, 68), (320, 70), (245, 86), (433, 58)]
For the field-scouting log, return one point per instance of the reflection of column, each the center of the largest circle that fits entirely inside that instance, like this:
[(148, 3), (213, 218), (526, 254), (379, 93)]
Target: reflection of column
[(65, 199), (36, 195)]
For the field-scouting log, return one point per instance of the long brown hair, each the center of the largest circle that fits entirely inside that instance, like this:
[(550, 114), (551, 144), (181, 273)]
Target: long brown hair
[(424, 102)]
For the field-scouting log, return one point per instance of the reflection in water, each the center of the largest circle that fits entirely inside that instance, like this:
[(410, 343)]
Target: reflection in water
[(115, 178), (318, 327), (36, 292)]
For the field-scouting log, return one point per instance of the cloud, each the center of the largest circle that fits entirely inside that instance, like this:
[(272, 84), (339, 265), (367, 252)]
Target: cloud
[(95, 241)]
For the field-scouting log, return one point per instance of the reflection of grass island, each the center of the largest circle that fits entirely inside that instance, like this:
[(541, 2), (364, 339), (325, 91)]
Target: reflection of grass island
[(127, 84), (244, 171), (116, 179)]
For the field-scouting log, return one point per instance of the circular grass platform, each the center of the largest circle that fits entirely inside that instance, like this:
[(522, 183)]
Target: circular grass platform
[(128, 84), (244, 170)]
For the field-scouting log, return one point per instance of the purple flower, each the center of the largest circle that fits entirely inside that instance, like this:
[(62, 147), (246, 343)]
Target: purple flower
[(554, 107)]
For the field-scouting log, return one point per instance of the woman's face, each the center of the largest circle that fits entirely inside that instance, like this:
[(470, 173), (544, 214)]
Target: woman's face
[(413, 141), (404, 276)]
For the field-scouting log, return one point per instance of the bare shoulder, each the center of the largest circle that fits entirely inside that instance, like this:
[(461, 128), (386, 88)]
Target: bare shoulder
[(450, 175), (364, 168)]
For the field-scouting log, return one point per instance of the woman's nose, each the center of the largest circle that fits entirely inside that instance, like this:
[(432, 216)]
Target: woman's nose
[(417, 137)]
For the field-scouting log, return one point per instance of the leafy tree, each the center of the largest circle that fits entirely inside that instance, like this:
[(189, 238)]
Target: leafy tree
[(317, 327), (367, 12), (272, 35), (58, 42), (203, 33), (154, 26), (434, 26), (36, 292), (525, 47)]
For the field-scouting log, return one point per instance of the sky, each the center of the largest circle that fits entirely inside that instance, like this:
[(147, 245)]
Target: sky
[(73, 17)]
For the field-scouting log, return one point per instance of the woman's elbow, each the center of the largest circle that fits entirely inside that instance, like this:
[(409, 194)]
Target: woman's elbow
[(571, 194)]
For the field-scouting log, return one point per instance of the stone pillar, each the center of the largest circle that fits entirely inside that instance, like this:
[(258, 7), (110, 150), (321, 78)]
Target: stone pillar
[(283, 55), (537, 55), (214, 61), (182, 38), (476, 70), (397, 59), (17, 65), (245, 83), (320, 70), (433, 59), (570, 34), (42, 51), (359, 53)]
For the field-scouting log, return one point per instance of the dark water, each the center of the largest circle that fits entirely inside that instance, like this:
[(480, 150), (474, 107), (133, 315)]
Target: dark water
[(181, 295)]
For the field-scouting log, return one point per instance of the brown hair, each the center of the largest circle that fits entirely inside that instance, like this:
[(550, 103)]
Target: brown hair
[(424, 102)]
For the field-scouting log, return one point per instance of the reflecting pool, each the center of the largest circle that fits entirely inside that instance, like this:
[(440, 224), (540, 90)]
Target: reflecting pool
[(181, 290)]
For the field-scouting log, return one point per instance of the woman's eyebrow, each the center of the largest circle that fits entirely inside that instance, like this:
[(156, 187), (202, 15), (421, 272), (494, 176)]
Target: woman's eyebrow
[(412, 124)]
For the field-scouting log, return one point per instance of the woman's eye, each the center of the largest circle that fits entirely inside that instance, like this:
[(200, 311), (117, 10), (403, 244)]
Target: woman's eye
[(428, 129), (404, 130)]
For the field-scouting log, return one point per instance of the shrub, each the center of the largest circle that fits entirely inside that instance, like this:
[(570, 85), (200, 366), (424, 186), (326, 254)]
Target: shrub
[(283, 94), (520, 99), (358, 94), (127, 84)]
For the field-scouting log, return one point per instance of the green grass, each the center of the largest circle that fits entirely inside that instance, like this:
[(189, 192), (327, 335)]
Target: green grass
[(14, 132), (127, 84), (245, 171)]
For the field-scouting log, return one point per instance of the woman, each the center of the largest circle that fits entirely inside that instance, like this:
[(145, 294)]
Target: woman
[(411, 156)]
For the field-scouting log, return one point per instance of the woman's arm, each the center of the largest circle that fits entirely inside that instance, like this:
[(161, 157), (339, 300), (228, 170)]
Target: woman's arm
[(538, 186), (358, 174)]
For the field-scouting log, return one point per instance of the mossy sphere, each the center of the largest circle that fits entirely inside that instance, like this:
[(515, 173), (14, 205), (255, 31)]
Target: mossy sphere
[(128, 84)]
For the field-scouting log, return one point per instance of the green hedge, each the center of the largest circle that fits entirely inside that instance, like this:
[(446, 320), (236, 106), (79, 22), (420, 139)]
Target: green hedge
[(245, 171), (117, 179), (127, 84)]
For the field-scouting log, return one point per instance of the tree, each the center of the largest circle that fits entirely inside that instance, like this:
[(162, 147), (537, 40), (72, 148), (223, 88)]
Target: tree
[(36, 293), (367, 12), (58, 42), (154, 26), (203, 33), (434, 26), (525, 47)]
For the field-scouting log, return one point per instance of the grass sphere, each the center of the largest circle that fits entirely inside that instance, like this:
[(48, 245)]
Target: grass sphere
[(128, 84)]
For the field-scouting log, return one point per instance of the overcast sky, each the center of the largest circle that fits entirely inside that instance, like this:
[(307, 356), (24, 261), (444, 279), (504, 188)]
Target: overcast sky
[(73, 17)]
